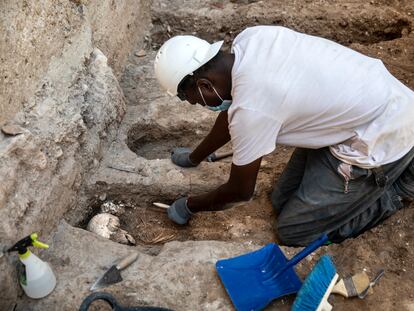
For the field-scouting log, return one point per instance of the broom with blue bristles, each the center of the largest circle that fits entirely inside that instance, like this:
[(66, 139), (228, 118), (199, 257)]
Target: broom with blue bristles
[(317, 287)]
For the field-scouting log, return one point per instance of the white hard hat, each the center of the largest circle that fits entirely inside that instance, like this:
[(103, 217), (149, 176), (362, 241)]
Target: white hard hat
[(181, 56)]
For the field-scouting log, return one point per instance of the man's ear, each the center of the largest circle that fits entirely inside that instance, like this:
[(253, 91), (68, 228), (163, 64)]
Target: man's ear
[(205, 85)]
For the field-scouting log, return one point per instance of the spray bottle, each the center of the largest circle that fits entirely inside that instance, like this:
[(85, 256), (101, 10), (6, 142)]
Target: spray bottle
[(37, 279)]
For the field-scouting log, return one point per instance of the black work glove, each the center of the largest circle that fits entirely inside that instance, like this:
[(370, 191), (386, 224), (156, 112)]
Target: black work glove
[(181, 157), (178, 212)]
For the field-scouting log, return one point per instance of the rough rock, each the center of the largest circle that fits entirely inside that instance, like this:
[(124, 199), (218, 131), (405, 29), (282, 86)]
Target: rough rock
[(12, 129), (36, 33), (42, 168), (57, 86), (181, 276)]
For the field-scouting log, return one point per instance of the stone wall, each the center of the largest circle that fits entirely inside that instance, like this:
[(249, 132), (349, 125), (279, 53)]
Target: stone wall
[(34, 33), (60, 104)]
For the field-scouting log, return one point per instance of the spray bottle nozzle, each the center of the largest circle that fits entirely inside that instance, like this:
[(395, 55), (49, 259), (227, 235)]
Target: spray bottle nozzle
[(22, 245)]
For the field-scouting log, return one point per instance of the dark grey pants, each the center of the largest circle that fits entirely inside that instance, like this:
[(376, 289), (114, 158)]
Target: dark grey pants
[(314, 195)]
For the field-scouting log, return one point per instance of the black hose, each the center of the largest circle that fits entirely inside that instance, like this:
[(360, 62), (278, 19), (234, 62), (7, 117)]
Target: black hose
[(113, 303)]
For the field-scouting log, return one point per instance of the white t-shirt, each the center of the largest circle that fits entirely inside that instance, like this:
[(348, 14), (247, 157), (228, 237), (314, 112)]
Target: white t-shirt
[(304, 91)]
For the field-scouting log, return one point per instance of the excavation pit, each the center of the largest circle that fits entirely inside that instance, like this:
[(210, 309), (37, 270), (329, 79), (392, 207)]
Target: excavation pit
[(150, 225), (251, 222), (154, 142)]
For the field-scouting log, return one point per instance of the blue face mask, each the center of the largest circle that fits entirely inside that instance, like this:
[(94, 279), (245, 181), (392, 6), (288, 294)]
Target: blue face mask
[(225, 103)]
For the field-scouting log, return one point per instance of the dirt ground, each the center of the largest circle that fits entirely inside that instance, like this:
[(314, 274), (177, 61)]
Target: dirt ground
[(245, 222), (380, 29), (388, 246)]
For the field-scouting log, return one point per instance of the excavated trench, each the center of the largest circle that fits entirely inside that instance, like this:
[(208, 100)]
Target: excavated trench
[(375, 29), (149, 225), (154, 142)]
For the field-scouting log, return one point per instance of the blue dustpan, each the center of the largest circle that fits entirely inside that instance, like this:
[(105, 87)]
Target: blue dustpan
[(255, 279)]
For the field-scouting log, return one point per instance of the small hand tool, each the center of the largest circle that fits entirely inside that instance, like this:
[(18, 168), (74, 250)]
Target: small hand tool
[(352, 286), (219, 156), (371, 284), (113, 275), (161, 205)]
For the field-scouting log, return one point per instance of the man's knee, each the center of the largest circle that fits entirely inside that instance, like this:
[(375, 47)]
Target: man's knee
[(275, 198), (285, 238), (294, 235), (290, 179), (404, 185)]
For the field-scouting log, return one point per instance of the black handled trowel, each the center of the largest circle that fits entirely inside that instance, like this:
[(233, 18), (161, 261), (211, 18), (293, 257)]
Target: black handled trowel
[(214, 157), (113, 275)]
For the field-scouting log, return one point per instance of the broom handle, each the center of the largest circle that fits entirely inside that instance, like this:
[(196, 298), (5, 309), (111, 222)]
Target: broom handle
[(302, 254)]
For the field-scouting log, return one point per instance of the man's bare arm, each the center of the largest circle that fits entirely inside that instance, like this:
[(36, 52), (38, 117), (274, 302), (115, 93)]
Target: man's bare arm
[(239, 187), (218, 137)]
